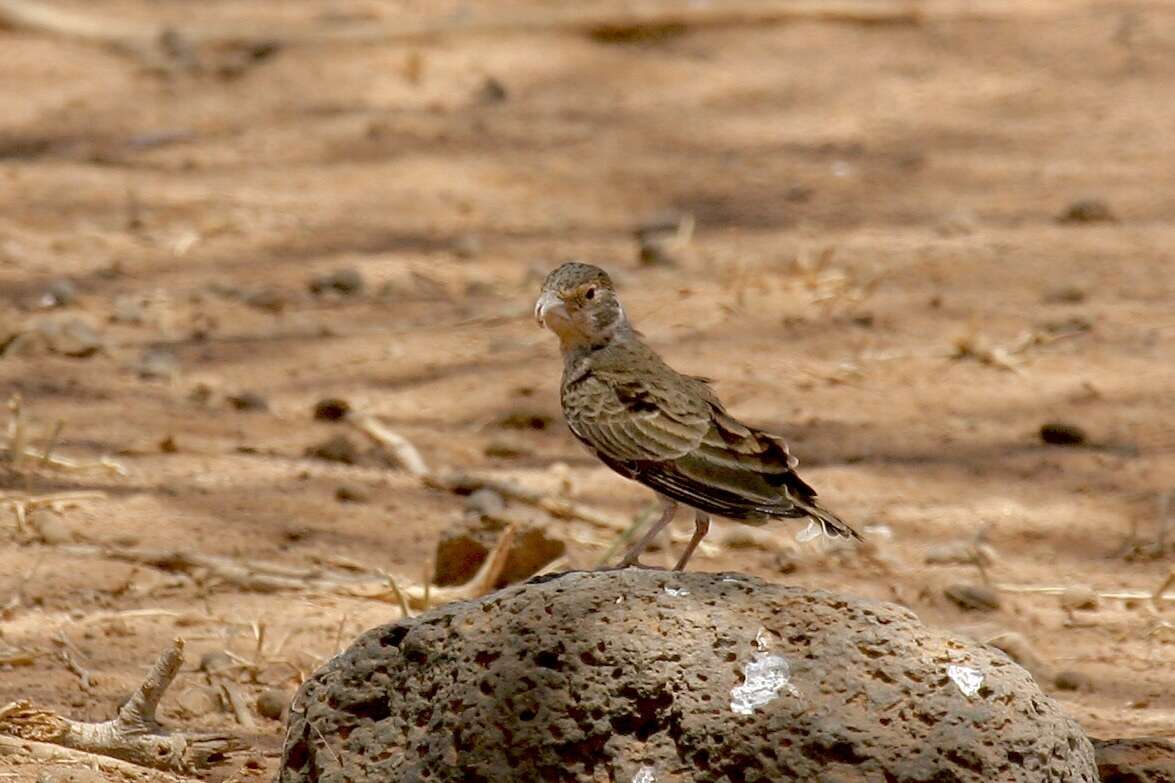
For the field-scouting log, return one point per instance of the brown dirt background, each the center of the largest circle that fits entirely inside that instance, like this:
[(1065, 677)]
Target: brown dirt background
[(865, 197)]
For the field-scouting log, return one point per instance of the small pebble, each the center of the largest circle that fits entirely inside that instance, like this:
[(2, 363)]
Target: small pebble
[(337, 448), (1080, 597), (467, 246), (201, 393), (786, 563), (331, 409), (214, 661), (1059, 433), (655, 252), (199, 701), (168, 445), (69, 336), (248, 401), (1065, 326), (491, 91), (504, 449), (1068, 294), (157, 364), (476, 288), (1071, 680), (272, 703), (978, 598), (129, 309), (1087, 210), (523, 419), (268, 299), (1020, 650), (349, 493), (52, 530), (345, 282), (60, 293), (960, 553), (485, 502)]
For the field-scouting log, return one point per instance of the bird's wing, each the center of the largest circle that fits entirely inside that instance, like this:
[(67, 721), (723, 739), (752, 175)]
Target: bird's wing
[(741, 473), (671, 433), (741, 470), (628, 417)]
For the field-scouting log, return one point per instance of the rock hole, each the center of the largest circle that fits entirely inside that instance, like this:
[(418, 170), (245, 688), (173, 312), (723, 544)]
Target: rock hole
[(485, 657), (297, 755), (961, 757), (840, 752), (393, 637), (374, 709), (549, 659)]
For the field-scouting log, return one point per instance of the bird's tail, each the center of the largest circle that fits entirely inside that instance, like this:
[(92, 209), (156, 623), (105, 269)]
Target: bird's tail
[(830, 524)]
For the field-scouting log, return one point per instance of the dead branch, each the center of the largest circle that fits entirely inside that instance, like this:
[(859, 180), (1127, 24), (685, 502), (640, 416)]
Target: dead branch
[(236, 701), (9, 657), (260, 576), (134, 736), (405, 454), (23, 505), (83, 674), (1160, 594), (1154, 597), (17, 449), (48, 753), (1005, 357), (465, 484), (631, 19)]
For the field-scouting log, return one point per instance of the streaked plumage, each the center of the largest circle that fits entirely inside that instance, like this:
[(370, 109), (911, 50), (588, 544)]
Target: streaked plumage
[(666, 430)]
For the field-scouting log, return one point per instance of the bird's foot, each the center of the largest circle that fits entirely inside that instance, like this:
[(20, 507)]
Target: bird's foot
[(634, 564)]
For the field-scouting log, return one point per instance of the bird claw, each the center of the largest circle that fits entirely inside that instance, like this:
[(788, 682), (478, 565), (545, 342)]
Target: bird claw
[(634, 564)]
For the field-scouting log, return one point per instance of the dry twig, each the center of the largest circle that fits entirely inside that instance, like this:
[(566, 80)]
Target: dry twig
[(465, 484), (1155, 597), (23, 505), (49, 753), (272, 577), (405, 454), (134, 736), (17, 449), (1005, 357), (626, 21)]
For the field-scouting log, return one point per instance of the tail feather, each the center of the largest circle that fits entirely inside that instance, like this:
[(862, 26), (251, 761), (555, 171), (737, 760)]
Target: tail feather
[(832, 525)]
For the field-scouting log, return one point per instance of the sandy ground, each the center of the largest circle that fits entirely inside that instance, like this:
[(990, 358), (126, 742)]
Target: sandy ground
[(878, 272)]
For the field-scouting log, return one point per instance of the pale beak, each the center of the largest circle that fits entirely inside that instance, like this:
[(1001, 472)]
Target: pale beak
[(549, 304)]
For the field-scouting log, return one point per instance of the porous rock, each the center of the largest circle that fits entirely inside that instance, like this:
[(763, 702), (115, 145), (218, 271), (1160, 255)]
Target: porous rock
[(668, 677), (1136, 760)]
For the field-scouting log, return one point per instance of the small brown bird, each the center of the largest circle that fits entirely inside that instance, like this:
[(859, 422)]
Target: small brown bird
[(666, 430)]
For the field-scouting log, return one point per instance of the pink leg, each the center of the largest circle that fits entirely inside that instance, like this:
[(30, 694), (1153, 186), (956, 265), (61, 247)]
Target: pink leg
[(668, 509), (701, 527)]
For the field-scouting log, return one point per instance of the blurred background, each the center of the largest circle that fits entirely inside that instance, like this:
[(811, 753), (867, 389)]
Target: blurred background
[(266, 281)]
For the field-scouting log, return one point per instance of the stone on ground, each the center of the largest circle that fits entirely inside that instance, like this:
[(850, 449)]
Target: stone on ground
[(661, 677)]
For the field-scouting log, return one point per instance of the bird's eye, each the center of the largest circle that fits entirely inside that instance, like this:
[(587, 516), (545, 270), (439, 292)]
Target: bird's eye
[(590, 294)]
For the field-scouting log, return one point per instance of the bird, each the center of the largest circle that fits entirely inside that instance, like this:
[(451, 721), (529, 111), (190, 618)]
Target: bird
[(661, 428)]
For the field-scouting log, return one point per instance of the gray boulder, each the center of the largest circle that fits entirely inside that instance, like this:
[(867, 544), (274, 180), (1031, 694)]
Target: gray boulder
[(653, 676)]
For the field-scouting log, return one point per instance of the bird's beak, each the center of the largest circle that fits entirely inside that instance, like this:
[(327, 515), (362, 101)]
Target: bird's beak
[(549, 304)]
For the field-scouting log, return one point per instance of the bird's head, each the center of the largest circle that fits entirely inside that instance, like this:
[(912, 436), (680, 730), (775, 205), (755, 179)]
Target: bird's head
[(579, 304)]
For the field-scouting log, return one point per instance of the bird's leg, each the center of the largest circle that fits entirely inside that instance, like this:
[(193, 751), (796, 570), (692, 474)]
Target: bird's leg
[(668, 509), (701, 528)]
